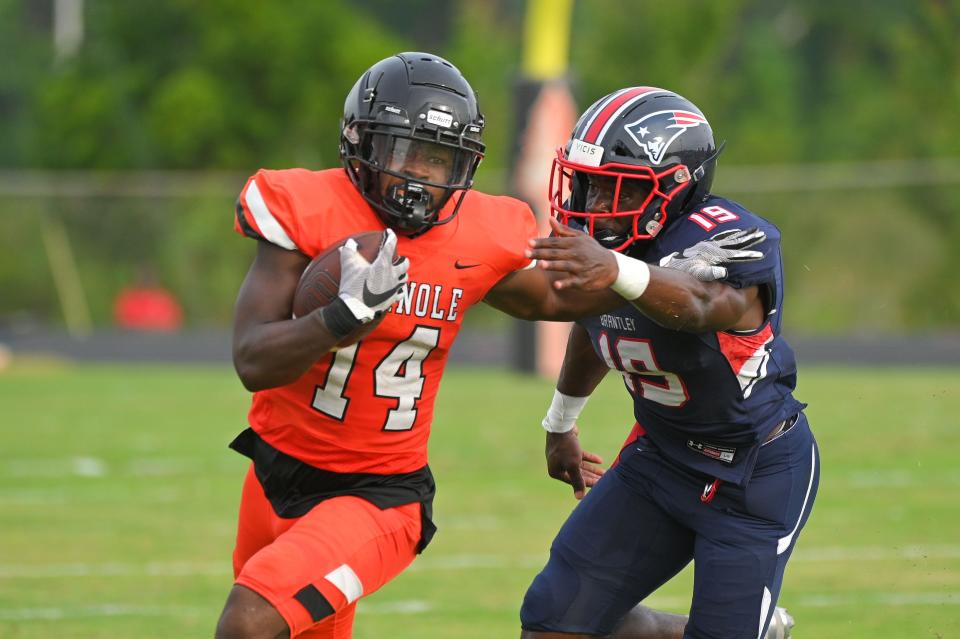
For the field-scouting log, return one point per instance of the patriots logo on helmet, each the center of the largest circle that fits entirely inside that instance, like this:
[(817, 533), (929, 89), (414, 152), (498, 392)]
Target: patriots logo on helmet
[(655, 132)]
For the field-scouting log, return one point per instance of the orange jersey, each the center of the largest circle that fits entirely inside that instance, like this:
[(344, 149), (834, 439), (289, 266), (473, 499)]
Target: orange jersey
[(368, 408)]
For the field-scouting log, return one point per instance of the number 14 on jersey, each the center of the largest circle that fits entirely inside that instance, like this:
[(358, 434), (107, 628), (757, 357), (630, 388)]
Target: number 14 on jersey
[(399, 376)]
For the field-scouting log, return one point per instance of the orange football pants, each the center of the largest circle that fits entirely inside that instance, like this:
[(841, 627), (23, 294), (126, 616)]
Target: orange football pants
[(343, 549)]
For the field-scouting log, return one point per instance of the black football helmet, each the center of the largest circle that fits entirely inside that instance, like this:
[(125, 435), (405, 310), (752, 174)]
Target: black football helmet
[(637, 133), (411, 110)]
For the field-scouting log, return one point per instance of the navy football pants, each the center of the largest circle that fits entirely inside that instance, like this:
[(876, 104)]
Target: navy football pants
[(644, 521)]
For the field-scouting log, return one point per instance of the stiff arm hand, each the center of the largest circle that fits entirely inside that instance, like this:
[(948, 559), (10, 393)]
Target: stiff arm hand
[(579, 259)]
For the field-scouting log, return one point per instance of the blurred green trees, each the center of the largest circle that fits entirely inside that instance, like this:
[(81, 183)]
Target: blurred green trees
[(235, 85), (182, 84)]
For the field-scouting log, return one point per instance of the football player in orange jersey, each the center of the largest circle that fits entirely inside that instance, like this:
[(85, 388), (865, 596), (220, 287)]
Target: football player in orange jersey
[(337, 500)]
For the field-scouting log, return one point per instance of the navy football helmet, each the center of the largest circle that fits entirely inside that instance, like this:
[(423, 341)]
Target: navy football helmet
[(410, 138), (647, 142)]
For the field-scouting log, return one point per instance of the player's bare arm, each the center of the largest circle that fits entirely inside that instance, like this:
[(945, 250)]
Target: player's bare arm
[(270, 348), (582, 370), (672, 298), (580, 375), (532, 294)]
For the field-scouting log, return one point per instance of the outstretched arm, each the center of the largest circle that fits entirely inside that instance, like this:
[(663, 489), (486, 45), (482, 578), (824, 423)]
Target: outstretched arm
[(672, 298), (531, 294)]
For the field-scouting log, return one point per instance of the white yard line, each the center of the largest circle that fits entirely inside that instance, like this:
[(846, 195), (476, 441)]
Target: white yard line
[(893, 599), (115, 569), (888, 478), (29, 497), (86, 466), (89, 466), (876, 553), (441, 563), (100, 610), (471, 562), (415, 606), (949, 598), (56, 467), (411, 607)]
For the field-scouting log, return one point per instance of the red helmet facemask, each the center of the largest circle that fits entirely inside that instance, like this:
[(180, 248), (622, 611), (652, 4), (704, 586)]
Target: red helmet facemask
[(568, 198)]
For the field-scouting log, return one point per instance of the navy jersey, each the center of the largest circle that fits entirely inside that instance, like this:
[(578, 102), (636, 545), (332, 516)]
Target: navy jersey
[(707, 400)]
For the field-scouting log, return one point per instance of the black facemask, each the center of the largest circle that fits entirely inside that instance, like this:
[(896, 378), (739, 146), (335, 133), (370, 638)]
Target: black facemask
[(414, 202)]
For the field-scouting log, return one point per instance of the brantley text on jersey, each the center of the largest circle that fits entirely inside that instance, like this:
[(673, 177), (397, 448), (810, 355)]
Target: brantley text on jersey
[(617, 322)]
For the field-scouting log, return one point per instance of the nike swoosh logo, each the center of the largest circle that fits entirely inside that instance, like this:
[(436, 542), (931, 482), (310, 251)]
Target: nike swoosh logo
[(372, 299), (457, 264)]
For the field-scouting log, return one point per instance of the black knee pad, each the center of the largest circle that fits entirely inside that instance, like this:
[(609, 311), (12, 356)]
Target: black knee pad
[(550, 596)]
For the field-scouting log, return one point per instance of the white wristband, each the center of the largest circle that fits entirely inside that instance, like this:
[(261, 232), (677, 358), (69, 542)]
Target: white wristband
[(633, 278), (563, 412)]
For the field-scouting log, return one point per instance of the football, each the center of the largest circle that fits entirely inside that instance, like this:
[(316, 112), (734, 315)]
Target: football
[(320, 281)]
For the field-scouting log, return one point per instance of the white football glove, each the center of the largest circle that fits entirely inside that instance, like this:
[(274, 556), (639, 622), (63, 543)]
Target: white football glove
[(704, 260), (367, 290), (780, 625)]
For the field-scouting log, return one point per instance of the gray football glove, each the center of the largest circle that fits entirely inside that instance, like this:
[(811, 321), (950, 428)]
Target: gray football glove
[(704, 260), (369, 289)]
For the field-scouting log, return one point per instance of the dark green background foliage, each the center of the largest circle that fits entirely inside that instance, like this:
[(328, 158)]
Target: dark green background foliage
[(236, 85)]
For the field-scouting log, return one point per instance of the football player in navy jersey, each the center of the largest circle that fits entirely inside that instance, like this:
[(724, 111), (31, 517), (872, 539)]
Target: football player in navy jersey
[(721, 466)]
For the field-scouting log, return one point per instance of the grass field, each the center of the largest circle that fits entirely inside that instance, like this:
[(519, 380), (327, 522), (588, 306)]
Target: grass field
[(118, 498)]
